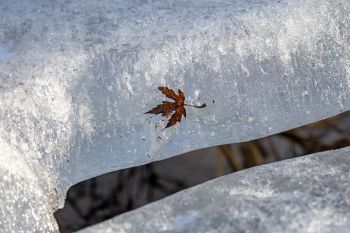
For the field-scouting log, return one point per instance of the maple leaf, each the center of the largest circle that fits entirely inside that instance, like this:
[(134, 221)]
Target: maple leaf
[(178, 107)]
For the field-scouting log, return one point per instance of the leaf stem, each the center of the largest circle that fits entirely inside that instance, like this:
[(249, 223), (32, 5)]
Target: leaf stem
[(196, 106)]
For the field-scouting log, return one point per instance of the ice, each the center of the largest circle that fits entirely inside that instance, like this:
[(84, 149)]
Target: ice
[(4, 53), (77, 76), (307, 194)]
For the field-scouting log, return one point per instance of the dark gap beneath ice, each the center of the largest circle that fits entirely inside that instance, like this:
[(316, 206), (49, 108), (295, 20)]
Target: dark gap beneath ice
[(97, 199)]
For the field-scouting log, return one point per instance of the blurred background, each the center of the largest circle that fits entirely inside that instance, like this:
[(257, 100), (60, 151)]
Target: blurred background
[(106, 196)]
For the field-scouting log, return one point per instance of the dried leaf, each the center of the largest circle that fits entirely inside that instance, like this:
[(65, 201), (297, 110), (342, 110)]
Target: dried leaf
[(169, 93), (178, 107), (176, 117)]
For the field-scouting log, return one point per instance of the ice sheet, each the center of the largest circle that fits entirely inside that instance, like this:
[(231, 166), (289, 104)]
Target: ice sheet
[(77, 76)]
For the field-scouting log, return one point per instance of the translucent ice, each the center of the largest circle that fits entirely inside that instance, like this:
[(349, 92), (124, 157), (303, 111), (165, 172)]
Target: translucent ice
[(308, 194), (77, 76)]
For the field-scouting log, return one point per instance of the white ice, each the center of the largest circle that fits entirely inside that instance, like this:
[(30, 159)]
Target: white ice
[(77, 76), (307, 194)]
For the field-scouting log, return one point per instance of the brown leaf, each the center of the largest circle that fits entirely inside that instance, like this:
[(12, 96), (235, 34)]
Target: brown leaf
[(178, 107), (165, 108), (168, 93), (176, 117)]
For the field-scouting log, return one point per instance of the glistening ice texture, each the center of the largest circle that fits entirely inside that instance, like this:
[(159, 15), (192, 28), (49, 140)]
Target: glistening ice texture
[(308, 194), (77, 76)]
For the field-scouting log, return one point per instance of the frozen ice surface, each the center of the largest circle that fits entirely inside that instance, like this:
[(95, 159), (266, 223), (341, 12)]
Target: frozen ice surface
[(77, 76), (307, 194)]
